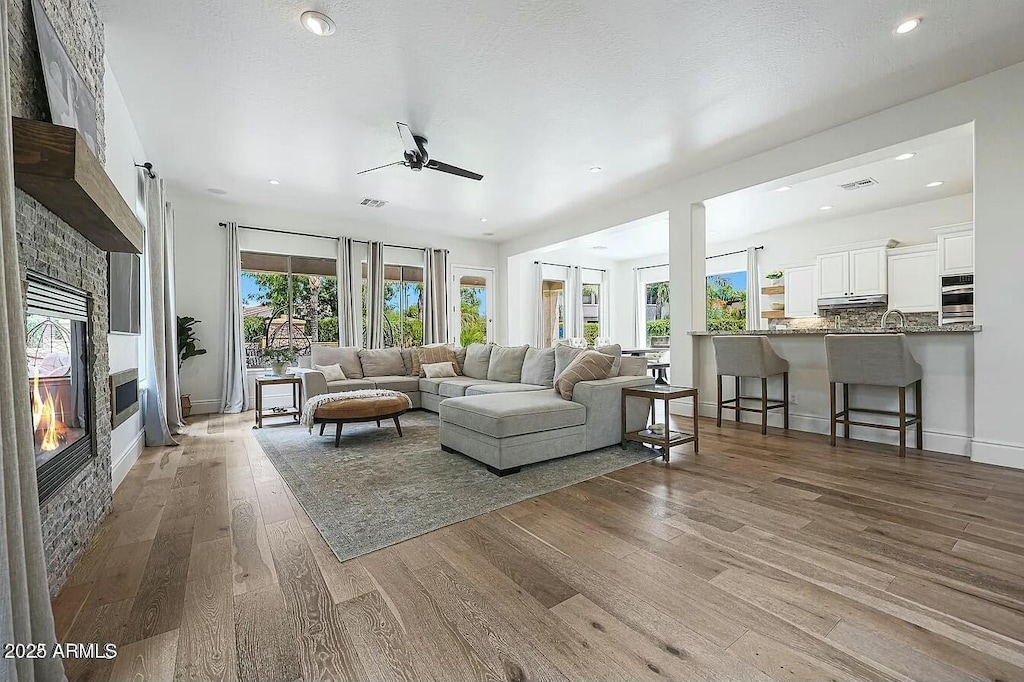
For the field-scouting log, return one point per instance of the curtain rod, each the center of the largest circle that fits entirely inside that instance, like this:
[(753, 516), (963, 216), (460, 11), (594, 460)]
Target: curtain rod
[(560, 265), (323, 236), (731, 253)]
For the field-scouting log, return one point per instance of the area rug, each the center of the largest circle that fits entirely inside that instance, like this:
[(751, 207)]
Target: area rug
[(377, 489)]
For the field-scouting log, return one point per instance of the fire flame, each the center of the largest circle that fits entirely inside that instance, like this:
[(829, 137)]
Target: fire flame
[(44, 419)]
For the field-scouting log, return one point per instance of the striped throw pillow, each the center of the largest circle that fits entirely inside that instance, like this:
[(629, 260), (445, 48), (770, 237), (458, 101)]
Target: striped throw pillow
[(428, 355), (587, 366)]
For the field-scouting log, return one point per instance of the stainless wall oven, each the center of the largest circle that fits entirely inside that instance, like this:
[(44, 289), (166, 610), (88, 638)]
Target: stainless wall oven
[(957, 299)]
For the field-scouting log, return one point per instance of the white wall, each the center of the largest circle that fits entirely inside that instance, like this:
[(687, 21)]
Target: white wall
[(795, 245), (124, 150), (201, 267), (993, 103)]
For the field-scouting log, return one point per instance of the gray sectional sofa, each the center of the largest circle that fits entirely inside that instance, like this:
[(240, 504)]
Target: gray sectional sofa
[(503, 411)]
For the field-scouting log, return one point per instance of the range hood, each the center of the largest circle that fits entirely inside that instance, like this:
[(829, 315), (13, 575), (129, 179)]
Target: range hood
[(847, 302)]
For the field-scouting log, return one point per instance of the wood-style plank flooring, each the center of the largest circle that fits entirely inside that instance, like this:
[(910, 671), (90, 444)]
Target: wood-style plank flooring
[(763, 558)]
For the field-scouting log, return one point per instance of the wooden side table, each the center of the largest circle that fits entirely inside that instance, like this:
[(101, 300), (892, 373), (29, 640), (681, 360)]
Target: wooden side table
[(670, 438), (296, 409)]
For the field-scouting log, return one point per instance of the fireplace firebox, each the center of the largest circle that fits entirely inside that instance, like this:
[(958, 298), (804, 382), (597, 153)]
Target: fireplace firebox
[(57, 341)]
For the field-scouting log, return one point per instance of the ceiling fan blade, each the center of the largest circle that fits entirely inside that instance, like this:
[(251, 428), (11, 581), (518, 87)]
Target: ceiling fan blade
[(386, 165), (408, 139), (454, 170)]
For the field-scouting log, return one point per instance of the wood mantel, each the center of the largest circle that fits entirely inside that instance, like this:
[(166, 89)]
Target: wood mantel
[(54, 165)]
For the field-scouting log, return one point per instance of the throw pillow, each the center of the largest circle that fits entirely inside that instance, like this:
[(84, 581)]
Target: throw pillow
[(563, 356), (346, 356), (539, 367), (614, 350), (407, 360), (431, 354), (331, 372), (587, 366), (478, 355), (506, 364), (439, 370), (382, 362)]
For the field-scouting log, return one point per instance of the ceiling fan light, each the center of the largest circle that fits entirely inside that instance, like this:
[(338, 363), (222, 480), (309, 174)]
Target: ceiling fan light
[(318, 23)]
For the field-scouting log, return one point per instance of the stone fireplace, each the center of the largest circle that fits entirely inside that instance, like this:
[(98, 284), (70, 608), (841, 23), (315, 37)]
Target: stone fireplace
[(51, 248)]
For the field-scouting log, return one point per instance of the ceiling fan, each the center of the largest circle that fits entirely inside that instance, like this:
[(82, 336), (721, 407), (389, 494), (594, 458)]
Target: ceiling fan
[(417, 159)]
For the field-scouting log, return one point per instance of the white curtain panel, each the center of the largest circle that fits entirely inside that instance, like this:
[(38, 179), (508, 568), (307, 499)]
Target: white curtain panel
[(639, 312), (605, 305), (375, 295), (348, 317), (753, 290), (435, 296), (574, 301), (162, 346), (174, 420), (25, 614), (541, 317), (236, 389)]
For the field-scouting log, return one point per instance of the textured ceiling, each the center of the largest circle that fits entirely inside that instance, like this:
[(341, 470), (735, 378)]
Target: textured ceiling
[(229, 94)]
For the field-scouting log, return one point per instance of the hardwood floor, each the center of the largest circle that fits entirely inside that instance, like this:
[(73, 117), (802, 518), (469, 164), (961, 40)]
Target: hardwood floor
[(763, 558)]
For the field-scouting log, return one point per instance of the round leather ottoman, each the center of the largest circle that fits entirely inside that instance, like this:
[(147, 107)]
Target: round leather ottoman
[(355, 410)]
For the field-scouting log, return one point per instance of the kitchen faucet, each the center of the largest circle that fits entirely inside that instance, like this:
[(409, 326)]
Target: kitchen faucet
[(901, 321)]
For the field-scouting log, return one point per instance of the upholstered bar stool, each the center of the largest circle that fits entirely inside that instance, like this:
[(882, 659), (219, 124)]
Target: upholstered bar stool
[(874, 360), (751, 356)]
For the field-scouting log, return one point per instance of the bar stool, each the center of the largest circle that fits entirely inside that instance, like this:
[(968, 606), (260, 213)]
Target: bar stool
[(874, 360), (751, 356)]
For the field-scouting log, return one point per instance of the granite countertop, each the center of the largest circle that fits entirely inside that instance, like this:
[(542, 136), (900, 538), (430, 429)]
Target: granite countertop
[(917, 329)]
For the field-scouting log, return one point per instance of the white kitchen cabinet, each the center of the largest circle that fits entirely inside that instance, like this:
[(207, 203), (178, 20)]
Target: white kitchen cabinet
[(857, 271), (868, 272), (913, 274), (801, 298), (833, 274), (956, 250)]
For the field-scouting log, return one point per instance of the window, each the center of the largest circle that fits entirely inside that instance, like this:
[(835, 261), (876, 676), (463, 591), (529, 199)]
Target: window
[(287, 302), (727, 301), (591, 312), (553, 306), (656, 313), (403, 305), (473, 310)]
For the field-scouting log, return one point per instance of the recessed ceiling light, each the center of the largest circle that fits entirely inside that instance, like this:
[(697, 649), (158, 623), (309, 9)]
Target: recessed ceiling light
[(483, 220), (318, 23), (595, 169), (904, 156), (599, 248), (487, 234), (784, 188), (274, 182), (937, 183), (826, 208), (216, 190), (907, 26)]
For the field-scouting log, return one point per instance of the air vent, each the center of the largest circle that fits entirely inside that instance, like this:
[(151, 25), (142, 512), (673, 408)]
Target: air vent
[(859, 184), (372, 203)]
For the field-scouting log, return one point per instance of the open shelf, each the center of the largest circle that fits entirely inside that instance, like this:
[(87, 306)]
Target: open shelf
[(773, 291), (53, 164), (773, 314)]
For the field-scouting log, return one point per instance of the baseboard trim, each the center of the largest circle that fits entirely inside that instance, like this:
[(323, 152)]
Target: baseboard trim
[(211, 406), (935, 441), (999, 454), (126, 460)]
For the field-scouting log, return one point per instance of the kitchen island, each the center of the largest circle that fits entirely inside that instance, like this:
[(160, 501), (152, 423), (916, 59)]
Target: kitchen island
[(946, 354)]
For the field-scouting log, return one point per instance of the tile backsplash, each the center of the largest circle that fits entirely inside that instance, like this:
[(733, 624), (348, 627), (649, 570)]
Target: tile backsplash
[(853, 318)]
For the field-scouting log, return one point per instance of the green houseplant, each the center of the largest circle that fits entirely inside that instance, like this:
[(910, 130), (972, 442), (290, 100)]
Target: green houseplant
[(188, 347), (774, 275), (279, 358)]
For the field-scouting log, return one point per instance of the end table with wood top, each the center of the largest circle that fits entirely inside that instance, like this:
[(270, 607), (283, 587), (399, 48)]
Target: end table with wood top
[(670, 438), (295, 411)]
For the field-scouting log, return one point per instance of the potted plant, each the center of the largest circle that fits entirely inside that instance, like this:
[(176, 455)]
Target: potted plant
[(279, 358), (188, 347), (774, 276)]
